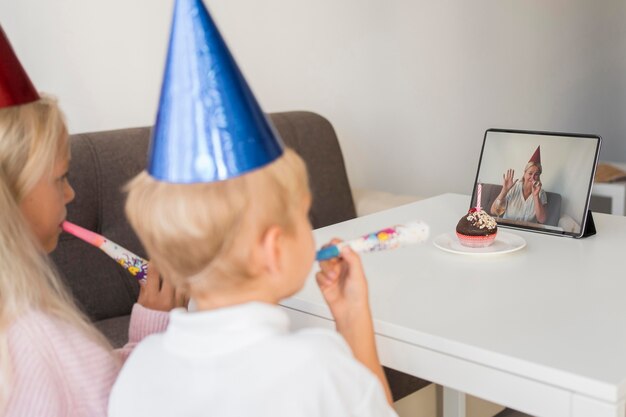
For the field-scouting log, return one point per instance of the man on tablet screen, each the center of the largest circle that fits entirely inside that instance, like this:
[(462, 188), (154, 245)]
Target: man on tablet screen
[(523, 200)]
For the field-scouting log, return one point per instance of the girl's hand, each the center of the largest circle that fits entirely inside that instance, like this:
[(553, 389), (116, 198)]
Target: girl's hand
[(344, 286), (158, 294)]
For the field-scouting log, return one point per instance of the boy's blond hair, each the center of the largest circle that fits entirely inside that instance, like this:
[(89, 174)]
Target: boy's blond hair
[(194, 232)]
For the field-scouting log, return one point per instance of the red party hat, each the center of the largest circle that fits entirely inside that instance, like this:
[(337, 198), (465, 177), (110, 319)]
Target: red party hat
[(15, 86), (536, 158)]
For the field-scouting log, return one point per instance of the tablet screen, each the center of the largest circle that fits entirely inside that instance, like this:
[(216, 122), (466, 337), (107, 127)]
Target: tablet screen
[(539, 181)]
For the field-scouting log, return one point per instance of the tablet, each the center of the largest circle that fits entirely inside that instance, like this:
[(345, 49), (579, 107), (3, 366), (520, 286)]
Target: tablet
[(537, 181)]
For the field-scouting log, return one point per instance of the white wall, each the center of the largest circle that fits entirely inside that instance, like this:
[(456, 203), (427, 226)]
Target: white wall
[(409, 86)]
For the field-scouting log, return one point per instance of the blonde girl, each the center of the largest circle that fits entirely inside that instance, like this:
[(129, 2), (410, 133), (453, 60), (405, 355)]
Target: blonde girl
[(53, 362)]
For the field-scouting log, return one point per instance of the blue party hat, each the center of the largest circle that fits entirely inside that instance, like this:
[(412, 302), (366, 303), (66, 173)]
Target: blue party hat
[(209, 126)]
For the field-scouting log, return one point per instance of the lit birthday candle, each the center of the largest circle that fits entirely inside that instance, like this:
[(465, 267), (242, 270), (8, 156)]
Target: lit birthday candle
[(389, 238), (134, 264)]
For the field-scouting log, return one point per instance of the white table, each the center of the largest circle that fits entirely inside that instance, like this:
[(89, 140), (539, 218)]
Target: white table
[(541, 330)]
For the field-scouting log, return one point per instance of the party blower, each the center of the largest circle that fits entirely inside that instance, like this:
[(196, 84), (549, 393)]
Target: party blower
[(389, 238), (136, 265)]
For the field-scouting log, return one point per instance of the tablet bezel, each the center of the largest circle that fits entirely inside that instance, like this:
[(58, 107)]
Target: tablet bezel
[(540, 229)]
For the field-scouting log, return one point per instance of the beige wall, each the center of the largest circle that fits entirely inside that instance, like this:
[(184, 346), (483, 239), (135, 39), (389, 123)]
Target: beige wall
[(409, 86)]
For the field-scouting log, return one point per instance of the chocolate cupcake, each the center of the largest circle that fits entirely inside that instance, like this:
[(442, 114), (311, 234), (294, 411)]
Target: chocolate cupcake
[(476, 229)]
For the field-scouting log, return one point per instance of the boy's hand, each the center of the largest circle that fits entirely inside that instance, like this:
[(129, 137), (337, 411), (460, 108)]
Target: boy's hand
[(344, 286), (158, 294)]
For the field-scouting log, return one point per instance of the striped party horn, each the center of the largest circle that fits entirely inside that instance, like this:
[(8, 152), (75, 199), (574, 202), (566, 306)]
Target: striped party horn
[(389, 238), (134, 264)]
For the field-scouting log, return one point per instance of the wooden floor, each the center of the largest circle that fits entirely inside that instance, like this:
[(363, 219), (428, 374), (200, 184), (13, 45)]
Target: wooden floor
[(511, 413), (427, 402)]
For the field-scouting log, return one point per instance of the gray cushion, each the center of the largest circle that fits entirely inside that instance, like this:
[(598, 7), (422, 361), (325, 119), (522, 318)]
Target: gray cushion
[(115, 329), (314, 138)]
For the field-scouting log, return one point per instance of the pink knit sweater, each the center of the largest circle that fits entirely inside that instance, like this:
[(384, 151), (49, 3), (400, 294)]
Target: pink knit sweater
[(57, 371)]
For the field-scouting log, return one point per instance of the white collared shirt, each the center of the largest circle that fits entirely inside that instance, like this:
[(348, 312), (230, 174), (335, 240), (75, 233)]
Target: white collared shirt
[(519, 209), (244, 361)]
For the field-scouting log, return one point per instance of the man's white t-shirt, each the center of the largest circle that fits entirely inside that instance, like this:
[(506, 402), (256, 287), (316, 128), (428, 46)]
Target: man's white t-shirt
[(244, 361)]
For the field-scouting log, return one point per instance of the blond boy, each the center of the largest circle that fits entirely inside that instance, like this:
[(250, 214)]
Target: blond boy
[(238, 247), (223, 212)]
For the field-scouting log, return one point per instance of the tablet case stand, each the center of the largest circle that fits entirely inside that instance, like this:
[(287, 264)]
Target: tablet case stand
[(590, 226)]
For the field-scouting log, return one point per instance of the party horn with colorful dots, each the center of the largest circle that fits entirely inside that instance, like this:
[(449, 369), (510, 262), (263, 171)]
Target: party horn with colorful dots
[(136, 265), (389, 238)]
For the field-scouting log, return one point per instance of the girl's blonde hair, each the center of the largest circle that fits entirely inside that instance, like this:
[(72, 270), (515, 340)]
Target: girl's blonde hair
[(32, 137), (193, 232)]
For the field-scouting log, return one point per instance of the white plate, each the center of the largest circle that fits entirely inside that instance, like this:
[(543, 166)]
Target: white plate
[(504, 243)]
